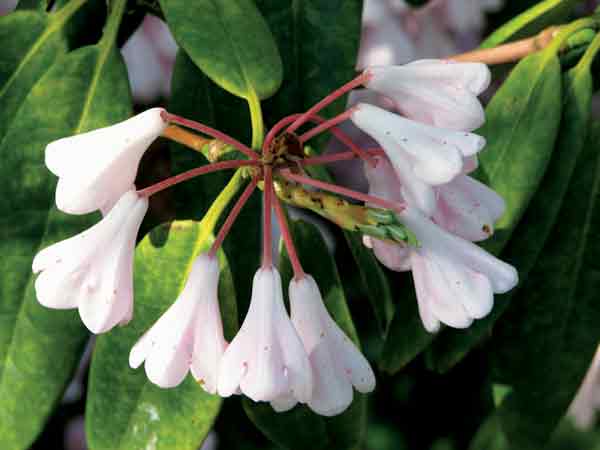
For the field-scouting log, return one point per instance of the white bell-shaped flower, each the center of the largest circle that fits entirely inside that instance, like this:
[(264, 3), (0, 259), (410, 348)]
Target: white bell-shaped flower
[(266, 360), (189, 335), (96, 168), (336, 363), (455, 280), (422, 156), (93, 271), (436, 92), (468, 208)]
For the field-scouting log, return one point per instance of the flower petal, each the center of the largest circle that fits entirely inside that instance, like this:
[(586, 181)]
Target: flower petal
[(98, 167), (266, 357), (93, 270), (437, 92), (438, 290), (209, 343), (503, 277), (468, 208), (335, 361)]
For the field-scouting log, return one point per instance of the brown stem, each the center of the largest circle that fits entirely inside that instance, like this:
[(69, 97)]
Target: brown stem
[(212, 149), (511, 52), (181, 136)]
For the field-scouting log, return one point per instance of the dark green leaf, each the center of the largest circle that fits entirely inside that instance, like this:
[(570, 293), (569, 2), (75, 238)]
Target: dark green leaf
[(191, 97), (553, 319), (345, 431), (29, 52), (490, 436), (40, 348), (406, 336), (230, 41), (39, 5), (318, 42), (522, 124), (296, 429), (198, 98), (374, 281), (532, 21), (31, 41), (144, 415), (568, 436)]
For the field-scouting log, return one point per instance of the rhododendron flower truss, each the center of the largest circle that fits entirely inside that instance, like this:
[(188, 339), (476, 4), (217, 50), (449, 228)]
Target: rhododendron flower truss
[(422, 213)]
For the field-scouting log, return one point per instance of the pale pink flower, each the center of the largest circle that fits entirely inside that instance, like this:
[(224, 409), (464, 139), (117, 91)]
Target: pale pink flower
[(465, 15), (423, 156), (584, 407), (266, 360), (436, 92), (428, 32), (336, 363), (93, 271), (394, 33), (7, 6), (455, 280), (383, 41), (384, 183), (464, 207), (189, 335), (393, 255), (468, 208), (96, 168), (149, 55)]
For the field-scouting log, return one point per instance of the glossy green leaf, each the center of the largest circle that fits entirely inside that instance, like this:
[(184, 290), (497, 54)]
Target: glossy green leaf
[(191, 98), (230, 41), (530, 235), (374, 281), (31, 42), (318, 42), (198, 98), (39, 5), (406, 337), (532, 21), (345, 431), (522, 124), (490, 436), (568, 436), (40, 348), (144, 415), (553, 319)]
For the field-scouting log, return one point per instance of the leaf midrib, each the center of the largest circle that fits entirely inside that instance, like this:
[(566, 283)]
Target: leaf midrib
[(591, 206), (53, 24), (32, 50), (20, 312), (236, 52), (534, 88)]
